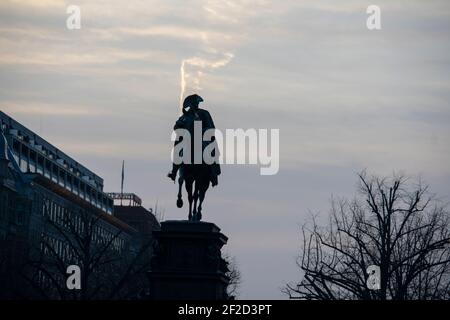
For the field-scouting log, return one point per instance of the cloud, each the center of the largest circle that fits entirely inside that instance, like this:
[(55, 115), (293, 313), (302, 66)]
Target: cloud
[(114, 150), (37, 3), (214, 52), (47, 110)]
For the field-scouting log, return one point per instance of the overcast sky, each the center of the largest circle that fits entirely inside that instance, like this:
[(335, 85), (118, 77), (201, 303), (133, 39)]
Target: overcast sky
[(344, 98)]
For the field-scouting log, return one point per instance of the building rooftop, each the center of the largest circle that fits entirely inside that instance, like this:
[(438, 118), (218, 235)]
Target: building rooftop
[(16, 129), (34, 154), (129, 199)]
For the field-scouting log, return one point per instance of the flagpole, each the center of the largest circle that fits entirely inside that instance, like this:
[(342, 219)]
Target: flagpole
[(121, 184)]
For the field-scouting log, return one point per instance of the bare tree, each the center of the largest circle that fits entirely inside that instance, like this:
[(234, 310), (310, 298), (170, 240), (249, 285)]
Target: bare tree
[(234, 276), (394, 225), (109, 268)]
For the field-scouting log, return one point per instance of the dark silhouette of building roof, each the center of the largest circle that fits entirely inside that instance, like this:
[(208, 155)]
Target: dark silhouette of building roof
[(137, 217)]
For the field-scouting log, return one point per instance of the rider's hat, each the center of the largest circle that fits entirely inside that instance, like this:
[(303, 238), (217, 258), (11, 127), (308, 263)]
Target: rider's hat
[(192, 100)]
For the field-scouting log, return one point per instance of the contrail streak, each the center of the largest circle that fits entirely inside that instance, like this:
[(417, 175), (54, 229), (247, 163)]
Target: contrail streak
[(202, 65), (217, 49)]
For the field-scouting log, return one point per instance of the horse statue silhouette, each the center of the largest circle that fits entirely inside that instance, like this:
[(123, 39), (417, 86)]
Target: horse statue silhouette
[(196, 176)]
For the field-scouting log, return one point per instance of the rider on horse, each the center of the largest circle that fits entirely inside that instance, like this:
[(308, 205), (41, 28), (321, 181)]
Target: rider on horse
[(191, 113)]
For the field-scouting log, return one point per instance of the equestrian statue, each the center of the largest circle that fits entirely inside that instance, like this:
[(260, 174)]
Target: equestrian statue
[(196, 176)]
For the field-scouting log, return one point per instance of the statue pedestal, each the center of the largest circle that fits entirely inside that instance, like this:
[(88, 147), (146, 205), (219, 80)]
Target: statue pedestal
[(187, 262)]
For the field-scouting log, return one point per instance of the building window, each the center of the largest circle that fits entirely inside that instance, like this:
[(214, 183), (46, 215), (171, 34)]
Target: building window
[(40, 164), (3, 206), (48, 168), (16, 146), (32, 161)]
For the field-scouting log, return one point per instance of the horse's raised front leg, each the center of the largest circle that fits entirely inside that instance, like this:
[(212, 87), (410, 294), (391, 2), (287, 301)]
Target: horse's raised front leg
[(188, 184), (180, 186)]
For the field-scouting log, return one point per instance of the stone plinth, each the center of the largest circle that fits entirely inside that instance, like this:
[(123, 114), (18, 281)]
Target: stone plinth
[(187, 262)]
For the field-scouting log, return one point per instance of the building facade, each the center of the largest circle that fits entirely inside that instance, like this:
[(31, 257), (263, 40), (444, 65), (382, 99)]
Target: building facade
[(55, 214)]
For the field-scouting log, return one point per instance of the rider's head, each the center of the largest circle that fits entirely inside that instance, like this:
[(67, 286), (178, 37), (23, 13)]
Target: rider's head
[(192, 102)]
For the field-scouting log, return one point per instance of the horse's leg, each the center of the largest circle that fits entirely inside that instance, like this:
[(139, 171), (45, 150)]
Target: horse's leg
[(195, 200), (188, 186), (203, 188), (180, 186)]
